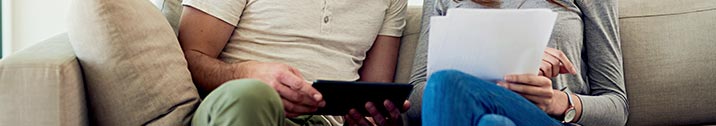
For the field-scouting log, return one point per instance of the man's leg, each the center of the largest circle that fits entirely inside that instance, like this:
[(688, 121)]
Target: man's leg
[(458, 99), (244, 102)]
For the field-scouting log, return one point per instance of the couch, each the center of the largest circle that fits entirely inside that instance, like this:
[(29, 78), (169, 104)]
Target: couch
[(669, 62)]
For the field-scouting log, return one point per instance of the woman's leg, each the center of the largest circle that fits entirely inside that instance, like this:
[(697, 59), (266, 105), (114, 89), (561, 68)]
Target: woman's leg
[(495, 120), (458, 99)]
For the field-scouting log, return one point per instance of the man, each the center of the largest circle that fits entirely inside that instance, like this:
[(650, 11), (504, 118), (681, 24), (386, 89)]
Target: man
[(282, 45)]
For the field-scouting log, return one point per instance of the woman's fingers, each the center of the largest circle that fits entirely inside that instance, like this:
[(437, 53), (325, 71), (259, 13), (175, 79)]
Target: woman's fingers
[(528, 79), (546, 69), (527, 89), (566, 65), (554, 65)]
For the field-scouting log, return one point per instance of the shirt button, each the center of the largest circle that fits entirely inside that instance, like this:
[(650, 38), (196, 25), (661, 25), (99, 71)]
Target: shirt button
[(325, 19)]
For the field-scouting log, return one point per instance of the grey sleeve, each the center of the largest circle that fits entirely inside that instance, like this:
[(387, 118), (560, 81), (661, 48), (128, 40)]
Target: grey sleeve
[(418, 75), (606, 104)]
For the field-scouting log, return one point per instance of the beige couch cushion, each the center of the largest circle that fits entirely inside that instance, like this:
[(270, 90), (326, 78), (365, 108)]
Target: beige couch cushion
[(172, 11), (134, 69), (669, 61), (408, 43), (42, 86)]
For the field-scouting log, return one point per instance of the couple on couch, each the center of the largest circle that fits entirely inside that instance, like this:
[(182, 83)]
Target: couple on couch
[(251, 60)]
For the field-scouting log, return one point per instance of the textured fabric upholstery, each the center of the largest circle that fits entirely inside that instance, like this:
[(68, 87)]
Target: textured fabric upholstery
[(42, 86), (408, 43), (134, 69), (669, 61)]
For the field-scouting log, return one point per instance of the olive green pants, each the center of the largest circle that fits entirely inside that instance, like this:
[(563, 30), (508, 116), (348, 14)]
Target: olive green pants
[(246, 102)]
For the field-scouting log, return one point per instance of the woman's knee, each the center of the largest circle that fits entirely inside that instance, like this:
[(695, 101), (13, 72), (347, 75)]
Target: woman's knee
[(494, 120), (454, 79), (445, 75), (443, 78)]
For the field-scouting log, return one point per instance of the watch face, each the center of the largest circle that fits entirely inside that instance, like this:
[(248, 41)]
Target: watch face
[(569, 115)]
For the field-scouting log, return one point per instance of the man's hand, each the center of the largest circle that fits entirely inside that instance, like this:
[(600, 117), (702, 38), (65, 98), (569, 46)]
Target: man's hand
[(297, 94), (354, 118), (554, 63)]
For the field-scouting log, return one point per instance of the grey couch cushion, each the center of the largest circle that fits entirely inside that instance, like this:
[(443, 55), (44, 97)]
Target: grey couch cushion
[(669, 61), (134, 70)]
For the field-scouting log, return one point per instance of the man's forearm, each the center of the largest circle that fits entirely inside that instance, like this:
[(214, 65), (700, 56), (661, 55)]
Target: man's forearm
[(207, 72)]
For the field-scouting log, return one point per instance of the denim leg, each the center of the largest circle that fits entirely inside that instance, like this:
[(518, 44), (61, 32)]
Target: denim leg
[(495, 120), (453, 98)]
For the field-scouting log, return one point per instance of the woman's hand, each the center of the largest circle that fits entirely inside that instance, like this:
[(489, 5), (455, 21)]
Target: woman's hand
[(554, 63), (537, 89), (354, 118)]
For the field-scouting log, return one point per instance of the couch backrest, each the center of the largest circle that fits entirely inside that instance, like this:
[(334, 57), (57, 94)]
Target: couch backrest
[(408, 44), (669, 61), (668, 58)]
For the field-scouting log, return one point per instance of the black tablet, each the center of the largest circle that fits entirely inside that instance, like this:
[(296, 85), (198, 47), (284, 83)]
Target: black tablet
[(341, 96)]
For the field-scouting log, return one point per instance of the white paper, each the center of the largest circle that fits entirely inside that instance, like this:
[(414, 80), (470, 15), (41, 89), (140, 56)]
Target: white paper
[(489, 43)]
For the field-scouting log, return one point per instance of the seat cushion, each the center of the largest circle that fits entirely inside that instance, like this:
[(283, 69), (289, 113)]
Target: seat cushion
[(134, 69), (669, 61)]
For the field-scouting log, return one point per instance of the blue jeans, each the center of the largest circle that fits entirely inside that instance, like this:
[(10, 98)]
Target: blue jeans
[(453, 98)]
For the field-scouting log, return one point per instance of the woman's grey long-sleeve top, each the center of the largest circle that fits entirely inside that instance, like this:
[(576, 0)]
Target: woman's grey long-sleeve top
[(587, 31)]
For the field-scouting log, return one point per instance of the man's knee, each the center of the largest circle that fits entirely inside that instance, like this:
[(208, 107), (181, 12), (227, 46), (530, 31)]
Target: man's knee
[(249, 91), (241, 102)]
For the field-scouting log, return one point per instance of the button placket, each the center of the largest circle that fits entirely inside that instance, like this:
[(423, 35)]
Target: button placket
[(326, 16)]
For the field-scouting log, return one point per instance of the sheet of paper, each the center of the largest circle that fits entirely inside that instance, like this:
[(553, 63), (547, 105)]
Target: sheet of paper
[(489, 43)]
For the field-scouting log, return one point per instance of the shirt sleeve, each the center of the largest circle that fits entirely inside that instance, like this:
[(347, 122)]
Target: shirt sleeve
[(418, 75), (606, 104), (394, 21), (228, 11)]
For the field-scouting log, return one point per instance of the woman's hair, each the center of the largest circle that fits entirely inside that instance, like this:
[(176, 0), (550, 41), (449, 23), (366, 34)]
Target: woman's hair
[(496, 3)]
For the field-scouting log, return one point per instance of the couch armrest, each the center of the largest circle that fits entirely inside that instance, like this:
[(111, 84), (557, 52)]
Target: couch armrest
[(42, 85)]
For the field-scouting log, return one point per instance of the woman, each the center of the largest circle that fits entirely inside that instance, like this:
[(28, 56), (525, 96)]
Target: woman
[(583, 61)]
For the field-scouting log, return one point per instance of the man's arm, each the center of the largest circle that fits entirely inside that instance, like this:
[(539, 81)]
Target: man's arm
[(379, 64), (202, 37)]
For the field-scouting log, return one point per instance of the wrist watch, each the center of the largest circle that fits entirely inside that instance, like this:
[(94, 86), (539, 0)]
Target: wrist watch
[(570, 113)]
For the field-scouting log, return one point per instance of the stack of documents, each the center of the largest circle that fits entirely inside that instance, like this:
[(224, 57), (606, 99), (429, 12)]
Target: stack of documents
[(489, 43)]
